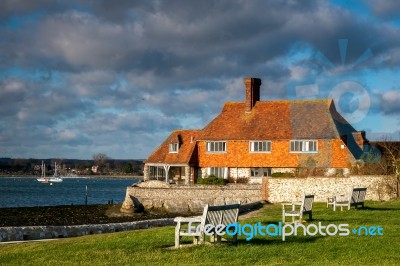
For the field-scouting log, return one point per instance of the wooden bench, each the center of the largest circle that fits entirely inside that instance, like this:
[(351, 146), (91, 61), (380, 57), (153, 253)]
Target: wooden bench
[(355, 198), (305, 207), (212, 215)]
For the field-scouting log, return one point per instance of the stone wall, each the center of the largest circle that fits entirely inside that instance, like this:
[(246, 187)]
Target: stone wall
[(288, 189), (24, 233), (187, 199), (239, 172)]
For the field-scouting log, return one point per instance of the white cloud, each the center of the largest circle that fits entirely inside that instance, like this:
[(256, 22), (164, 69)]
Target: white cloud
[(390, 102)]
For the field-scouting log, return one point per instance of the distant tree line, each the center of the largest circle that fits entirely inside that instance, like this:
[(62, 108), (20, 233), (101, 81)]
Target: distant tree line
[(100, 165)]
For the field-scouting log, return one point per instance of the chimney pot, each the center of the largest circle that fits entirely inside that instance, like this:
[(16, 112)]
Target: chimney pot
[(252, 92)]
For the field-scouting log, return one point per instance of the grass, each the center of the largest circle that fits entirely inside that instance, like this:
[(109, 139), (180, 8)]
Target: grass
[(150, 247)]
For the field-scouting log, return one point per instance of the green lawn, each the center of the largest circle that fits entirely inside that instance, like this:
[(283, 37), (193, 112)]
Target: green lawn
[(150, 247)]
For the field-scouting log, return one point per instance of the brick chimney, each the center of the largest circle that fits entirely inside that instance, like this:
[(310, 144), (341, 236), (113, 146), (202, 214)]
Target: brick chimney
[(252, 92)]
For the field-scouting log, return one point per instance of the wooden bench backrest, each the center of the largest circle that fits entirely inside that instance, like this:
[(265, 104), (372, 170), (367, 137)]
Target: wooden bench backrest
[(307, 203), (204, 216), (358, 195), (223, 214)]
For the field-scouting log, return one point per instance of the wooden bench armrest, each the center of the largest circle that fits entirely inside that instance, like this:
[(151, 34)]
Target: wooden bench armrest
[(292, 204), (192, 219)]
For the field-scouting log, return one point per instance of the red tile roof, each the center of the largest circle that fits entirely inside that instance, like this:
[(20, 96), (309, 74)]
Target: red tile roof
[(268, 120), (271, 120), (187, 145)]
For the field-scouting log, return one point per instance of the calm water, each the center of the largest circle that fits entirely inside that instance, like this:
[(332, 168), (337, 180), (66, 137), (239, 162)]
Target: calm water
[(28, 192)]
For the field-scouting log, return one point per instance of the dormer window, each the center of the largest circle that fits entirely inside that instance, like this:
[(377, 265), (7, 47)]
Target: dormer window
[(173, 147)]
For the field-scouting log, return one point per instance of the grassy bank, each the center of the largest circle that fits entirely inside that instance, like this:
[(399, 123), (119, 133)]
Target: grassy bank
[(150, 247)]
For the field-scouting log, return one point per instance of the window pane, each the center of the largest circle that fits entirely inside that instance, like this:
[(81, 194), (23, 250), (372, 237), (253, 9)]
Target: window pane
[(217, 171), (260, 146)]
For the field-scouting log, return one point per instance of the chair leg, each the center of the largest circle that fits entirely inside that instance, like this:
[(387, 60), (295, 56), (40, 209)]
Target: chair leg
[(201, 238), (212, 238), (177, 241), (310, 216)]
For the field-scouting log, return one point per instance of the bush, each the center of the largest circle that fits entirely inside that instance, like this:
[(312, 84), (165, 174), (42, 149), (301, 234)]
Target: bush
[(282, 174), (211, 180)]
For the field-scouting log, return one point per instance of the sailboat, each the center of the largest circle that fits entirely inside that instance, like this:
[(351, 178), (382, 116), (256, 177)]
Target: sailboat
[(56, 178), (43, 178)]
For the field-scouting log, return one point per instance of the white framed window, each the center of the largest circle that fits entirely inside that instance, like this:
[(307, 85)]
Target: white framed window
[(260, 146), (173, 147), (304, 146), (260, 171), (221, 172), (216, 146)]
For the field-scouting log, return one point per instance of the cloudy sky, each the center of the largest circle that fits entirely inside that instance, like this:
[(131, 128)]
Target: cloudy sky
[(116, 77)]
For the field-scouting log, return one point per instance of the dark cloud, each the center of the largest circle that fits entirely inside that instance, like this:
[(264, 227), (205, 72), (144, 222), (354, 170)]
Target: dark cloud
[(385, 8), (117, 77)]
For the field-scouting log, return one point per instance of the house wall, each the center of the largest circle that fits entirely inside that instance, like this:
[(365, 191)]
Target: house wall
[(330, 154), (292, 189), (245, 172), (239, 172)]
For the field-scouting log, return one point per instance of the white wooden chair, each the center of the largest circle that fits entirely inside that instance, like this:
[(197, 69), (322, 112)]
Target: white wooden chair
[(213, 215), (304, 207)]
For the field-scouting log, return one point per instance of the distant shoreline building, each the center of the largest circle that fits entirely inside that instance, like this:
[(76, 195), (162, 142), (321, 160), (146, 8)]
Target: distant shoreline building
[(255, 139)]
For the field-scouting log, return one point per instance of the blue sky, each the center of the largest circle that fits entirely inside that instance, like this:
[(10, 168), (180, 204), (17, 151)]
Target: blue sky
[(116, 77)]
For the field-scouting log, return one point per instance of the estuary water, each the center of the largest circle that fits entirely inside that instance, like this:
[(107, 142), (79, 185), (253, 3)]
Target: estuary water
[(28, 192)]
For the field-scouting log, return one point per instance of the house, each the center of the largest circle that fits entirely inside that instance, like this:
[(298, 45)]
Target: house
[(95, 168), (255, 138)]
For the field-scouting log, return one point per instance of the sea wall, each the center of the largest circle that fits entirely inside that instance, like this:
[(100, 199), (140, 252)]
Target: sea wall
[(24, 233), (289, 189), (157, 195)]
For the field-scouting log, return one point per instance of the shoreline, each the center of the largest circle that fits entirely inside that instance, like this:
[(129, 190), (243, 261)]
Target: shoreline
[(88, 176), (68, 215)]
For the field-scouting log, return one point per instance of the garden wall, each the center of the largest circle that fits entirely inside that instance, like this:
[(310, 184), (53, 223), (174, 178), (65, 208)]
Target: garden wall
[(158, 195), (288, 189)]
